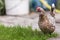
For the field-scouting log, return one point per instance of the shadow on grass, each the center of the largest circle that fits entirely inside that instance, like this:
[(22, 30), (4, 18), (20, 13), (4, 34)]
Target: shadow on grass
[(22, 33)]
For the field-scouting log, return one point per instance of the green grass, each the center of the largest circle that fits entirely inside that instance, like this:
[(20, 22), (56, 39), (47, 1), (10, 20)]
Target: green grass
[(21, 33)]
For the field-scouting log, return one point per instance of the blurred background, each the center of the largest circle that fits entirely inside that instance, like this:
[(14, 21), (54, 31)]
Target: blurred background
[(32, 4), (35, 3)]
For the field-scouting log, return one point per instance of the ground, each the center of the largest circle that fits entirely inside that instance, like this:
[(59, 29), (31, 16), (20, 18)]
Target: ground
[(30, 20)]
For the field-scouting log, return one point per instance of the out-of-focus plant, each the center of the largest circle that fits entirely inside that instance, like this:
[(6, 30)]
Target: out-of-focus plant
[(58, 4), (2, 7)]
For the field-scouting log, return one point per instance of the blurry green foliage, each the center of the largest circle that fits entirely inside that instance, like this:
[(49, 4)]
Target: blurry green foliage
[(58, 4), (2, 7)]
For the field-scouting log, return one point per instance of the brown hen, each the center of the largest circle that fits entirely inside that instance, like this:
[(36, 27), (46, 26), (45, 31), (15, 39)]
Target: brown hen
[(46, 23)]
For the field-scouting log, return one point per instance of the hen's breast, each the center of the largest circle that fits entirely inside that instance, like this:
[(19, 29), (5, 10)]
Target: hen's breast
[(43, 25)]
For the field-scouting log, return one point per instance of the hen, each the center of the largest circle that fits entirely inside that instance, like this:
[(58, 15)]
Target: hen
[(46, 22)]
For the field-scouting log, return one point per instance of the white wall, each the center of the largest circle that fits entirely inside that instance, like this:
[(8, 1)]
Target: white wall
[(17, 7)]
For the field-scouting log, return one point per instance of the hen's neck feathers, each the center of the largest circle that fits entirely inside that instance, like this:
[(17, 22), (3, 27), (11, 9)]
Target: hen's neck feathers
[(43, 18)]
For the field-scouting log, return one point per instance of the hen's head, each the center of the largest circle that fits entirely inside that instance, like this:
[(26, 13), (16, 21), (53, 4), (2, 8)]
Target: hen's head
[(38, 9), (41, 10)]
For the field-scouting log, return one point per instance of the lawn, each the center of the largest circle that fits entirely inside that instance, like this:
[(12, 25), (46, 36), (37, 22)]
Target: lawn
[(21, 33)]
